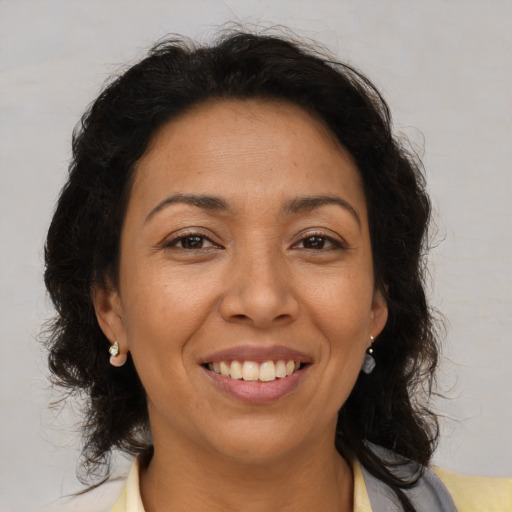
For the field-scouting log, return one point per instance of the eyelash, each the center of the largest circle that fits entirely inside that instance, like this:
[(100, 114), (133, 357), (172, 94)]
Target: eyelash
[(201, 238)]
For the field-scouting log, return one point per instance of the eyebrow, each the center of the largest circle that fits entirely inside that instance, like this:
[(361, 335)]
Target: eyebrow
[(217, 204), (308, 203), (205, 202)]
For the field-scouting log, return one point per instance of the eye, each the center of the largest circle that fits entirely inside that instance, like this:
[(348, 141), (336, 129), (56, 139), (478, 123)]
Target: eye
[(319, 242), (193, 241), (314, 242)]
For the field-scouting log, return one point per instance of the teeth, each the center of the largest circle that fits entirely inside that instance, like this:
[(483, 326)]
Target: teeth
[(280, 369), (235, 371), (224, 369), (252, 371), (267, 371)]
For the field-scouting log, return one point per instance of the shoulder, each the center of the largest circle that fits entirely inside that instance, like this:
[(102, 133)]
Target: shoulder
[(477, 494), (447, 489), (120, 505), (130, 500)]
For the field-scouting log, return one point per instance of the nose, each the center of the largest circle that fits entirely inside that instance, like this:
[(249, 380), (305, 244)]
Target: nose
[(259, 292)]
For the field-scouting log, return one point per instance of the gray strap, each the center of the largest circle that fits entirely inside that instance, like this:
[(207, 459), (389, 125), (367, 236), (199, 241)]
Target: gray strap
[(428, 495)]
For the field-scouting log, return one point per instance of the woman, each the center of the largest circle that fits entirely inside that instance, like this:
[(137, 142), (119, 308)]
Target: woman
[(241, 237)]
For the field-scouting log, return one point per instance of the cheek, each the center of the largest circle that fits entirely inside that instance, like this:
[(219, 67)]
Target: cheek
[(159, 324), (165, 311), (163, 304), (341, 306), (341, 312)]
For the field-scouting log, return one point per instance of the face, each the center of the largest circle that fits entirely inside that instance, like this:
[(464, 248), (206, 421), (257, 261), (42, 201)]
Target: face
[(246, 292)]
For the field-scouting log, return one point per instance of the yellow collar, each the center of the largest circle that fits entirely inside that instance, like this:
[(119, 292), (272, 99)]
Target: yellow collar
[(130, 500)]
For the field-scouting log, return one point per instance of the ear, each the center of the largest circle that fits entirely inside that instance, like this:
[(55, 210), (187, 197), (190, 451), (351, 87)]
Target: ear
[(109, 313), (379, 313)]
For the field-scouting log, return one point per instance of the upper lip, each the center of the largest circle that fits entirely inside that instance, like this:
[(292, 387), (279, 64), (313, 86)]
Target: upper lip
[(257, 353)]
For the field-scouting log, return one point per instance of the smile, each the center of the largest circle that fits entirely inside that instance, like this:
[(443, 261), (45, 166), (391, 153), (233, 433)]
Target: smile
[(266, 371), (257, 374)]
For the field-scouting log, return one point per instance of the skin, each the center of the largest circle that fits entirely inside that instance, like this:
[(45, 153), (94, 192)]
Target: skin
[(258, 278)]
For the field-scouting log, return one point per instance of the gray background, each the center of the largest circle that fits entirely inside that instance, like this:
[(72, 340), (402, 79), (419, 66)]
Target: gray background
[(445, 68)]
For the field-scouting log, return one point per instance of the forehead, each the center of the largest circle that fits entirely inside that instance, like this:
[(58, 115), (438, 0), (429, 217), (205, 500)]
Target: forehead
[(246, 147)]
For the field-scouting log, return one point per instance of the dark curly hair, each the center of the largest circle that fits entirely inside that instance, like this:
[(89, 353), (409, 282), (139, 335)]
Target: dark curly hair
[(388, 407)]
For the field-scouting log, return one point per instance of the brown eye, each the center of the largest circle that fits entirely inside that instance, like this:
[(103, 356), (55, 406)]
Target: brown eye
[(320, 242), (314, 242), (191, 242)]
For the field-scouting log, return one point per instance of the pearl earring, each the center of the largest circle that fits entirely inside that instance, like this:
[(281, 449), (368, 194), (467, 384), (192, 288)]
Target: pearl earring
[(116, 359), (369, 361)]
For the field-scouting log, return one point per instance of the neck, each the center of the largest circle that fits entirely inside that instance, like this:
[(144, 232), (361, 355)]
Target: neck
[(311, 479)]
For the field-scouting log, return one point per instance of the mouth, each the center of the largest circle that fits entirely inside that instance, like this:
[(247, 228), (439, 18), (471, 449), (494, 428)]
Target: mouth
[(266, 371), (257, 374)]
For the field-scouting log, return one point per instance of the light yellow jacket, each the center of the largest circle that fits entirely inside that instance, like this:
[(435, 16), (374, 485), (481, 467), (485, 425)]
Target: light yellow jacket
[(469, 493)]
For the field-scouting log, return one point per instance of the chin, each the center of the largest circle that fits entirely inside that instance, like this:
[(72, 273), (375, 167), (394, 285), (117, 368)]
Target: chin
[(260, 442)]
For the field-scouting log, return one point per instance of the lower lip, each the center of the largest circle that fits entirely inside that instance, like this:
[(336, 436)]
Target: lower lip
[(257, 392)]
